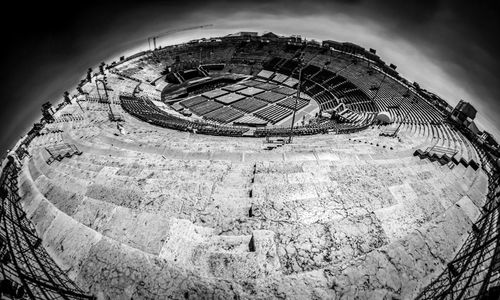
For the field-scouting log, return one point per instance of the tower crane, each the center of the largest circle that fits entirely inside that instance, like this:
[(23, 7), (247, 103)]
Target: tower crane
[(152, 39)]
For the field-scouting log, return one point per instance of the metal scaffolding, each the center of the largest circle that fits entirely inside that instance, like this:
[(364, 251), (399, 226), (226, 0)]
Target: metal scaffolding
[(27, 270), (474, 273)]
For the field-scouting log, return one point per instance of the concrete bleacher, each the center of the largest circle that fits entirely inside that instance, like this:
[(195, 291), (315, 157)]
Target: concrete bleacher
[(329, 89), (370, 84), (388, 94), (449, 145), (116, 206), (160, 205)]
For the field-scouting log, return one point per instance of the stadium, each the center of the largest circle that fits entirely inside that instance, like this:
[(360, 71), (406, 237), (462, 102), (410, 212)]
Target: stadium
[(251, 166)]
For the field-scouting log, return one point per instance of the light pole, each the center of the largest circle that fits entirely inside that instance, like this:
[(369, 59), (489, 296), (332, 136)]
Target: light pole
[(77, 102), (296, 98), (97, 88), (412, 102), (379, 86), (103, 81)]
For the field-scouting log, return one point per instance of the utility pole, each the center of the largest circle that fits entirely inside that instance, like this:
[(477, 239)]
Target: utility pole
[(97, 89), (200, 56)]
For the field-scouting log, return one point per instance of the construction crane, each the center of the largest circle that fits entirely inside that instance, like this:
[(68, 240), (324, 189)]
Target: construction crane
[(153, 38)]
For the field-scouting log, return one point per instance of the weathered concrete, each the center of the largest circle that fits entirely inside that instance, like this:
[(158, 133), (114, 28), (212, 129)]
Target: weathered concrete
[(147, 212)]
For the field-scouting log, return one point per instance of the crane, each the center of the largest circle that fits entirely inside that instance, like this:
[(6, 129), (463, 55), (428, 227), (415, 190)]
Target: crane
[(153, 38)]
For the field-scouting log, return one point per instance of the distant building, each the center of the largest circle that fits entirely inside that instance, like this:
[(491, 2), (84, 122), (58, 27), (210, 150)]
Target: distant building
[(293, 39), (269, 36), (489, 139), (48, 112), (313, 43), (243, 33), (372, 55), (464, 113), (241, 36), (345, 47)]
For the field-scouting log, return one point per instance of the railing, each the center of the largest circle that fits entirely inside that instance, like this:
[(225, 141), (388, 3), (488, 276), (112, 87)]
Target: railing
[(27, 271)]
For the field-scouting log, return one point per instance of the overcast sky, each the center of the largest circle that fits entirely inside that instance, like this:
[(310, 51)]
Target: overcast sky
[(449, 47)]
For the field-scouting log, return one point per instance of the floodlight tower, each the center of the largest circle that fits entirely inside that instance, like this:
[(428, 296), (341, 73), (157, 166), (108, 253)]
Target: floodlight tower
[(103, 80)]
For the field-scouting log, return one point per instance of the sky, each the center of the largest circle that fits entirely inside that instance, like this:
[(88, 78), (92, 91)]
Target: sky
[(448, 46)]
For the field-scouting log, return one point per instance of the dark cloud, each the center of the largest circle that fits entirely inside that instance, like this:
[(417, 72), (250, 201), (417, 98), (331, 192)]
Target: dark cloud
[(48, 47)]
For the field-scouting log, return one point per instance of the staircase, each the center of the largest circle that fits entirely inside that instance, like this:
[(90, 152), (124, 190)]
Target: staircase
[(445, 155)]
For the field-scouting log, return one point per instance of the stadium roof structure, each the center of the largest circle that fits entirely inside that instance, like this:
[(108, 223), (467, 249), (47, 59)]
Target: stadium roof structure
[(302, 198)]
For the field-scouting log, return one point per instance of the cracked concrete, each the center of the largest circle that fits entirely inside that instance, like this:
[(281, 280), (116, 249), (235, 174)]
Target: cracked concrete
[(152, 213), (313, 230)]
